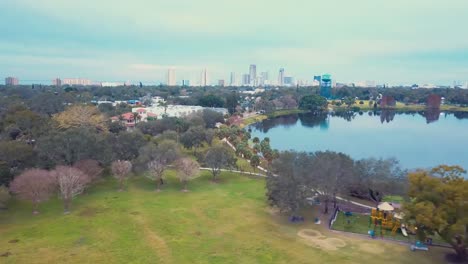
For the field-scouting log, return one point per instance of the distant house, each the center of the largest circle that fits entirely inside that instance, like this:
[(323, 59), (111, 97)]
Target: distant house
[(127, 119), (145, 115)]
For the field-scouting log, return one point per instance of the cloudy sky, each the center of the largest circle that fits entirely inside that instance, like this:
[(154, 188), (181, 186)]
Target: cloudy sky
[(397, 41)]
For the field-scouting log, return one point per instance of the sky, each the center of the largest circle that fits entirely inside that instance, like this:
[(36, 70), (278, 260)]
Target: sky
[(396, 42)]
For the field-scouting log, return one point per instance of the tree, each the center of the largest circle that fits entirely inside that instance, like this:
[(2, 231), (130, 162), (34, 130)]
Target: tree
[(330, 174), (255, 162), (164, 154), (211, 100), (256, 140), (121, 171), (219, 157), (125, 145), (71, 182), (439, 205), (286, 182), (34, 185), (81, 116), (373, 178), (90, 168), (72, 145), (231, 102), (313, 103), (211, 117), (193, 138), (14, 156), (4, 196), (209, 136), (186, 169)]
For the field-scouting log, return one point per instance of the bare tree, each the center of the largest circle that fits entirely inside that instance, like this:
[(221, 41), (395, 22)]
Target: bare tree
[(156, 171), (163, 155), (34, 185), (71, 182), (121, 170), (90, 168), (187, 168)]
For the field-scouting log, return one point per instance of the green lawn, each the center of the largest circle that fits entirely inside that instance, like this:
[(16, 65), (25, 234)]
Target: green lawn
[(227, 222)]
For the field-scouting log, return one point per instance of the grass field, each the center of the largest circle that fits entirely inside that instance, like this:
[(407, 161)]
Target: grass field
[(226, 222)]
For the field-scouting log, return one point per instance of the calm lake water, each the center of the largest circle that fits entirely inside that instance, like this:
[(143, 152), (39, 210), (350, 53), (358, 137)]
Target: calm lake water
[(417, 140)]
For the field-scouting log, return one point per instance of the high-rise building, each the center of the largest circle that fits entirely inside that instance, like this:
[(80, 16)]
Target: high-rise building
[(171, 77), (281, 77), (245, 79), (221, 83), (233, 81), (11, 81), (57, 82), (76, 81), (204, 78), (326, 86), (263, 80), (185, 82), (253, 74)]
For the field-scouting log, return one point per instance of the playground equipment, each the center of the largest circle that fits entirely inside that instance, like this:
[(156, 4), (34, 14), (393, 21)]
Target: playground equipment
[(384, 219), (419, 246)]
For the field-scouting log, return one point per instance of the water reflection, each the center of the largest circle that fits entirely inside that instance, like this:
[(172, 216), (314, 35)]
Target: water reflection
[(387, 116), (323, 120)]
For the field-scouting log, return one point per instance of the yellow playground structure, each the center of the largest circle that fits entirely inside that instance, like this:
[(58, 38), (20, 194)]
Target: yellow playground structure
[(386, 220)]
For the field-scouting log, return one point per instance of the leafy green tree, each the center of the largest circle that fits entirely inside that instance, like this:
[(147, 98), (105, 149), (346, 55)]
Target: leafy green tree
[(193, 138), (211, 117), (72, 145), (313, 103), (217, 158), (286, 182), (232, 100), (438, 205), (211, 100), (14, 156), (255, 162)]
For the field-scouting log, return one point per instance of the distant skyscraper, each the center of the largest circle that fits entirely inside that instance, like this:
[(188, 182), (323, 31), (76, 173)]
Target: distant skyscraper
[(233, 79), (253, 74), (245, 80), (185, 82), (171, 77), (221, 83), (11, 81), (204, 78), (57, 82), (264, 78), (281, 77)]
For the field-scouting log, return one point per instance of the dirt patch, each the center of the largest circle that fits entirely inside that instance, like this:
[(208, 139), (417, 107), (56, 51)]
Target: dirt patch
[(316, 239), (13, 241), (135, 213), (91, 211), (371, 248), (6, 254)]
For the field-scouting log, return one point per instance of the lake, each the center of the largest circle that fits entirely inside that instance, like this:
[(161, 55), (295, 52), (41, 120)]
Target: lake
[(417, 140)]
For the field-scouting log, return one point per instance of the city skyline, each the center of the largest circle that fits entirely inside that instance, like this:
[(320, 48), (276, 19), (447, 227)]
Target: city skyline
[(139, 41)]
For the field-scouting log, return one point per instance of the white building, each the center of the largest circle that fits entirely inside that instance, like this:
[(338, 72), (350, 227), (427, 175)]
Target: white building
[(176, 110), (171, 77), (204, 78), (76, 81)]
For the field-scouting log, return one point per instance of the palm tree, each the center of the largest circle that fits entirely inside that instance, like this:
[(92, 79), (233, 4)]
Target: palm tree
[(163, 104), (136, 117)]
